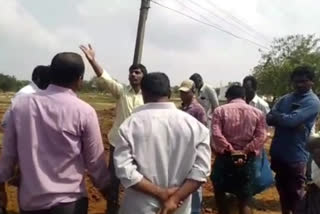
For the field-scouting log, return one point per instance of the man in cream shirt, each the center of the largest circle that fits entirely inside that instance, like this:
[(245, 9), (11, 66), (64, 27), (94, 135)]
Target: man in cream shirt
[(128, 98), (162, 154)]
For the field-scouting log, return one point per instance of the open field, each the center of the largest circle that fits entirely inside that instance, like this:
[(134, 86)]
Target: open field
[(265, 203)]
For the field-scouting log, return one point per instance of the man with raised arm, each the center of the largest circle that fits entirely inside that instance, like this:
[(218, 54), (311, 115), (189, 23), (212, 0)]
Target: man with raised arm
[(128, 98)]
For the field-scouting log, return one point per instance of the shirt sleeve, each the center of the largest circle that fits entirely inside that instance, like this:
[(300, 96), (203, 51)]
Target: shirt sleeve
[(114, 87), (259, 137), (9, 156), (220, 143), (93, 152), (213, 98), (203, 117), (297, 117), (5, 119), (126, 169), (202, 165)]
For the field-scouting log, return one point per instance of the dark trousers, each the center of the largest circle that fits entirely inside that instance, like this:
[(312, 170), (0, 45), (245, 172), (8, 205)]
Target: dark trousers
[(290, 182), (113, 197), (78, 207)]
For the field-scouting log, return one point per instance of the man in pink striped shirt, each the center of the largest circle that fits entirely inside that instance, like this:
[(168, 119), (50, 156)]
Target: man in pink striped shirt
[(239, 132)]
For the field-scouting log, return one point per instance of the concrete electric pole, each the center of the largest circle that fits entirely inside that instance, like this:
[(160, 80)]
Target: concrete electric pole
[(145, 5)]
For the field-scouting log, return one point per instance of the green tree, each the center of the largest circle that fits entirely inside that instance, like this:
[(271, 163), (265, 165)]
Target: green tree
[(275, 66)]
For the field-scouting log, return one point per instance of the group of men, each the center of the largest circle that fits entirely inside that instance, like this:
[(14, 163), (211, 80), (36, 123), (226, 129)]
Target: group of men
[(159, 153)]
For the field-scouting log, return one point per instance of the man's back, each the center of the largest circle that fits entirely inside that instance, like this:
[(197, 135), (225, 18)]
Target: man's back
[(165, 143), (238, 122), (52, 136)]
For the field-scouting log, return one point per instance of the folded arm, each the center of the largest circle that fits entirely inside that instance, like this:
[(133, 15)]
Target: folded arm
[(220, 143), (296, 117)]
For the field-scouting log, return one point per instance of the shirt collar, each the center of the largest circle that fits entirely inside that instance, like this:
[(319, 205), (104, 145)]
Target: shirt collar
[(132, 90), (160, 105), (304, 94), (59, 89), (237, 101), (255, 99)]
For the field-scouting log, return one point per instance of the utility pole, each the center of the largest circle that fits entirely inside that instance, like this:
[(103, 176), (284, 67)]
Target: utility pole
[(145, 5)]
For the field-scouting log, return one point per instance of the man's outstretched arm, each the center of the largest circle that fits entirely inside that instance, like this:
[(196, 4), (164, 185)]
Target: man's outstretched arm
[(114, 87)]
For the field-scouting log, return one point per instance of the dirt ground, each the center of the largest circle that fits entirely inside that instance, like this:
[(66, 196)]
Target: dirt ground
[(265, 203)]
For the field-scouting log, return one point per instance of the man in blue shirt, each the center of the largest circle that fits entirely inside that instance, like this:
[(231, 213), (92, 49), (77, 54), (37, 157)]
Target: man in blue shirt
[(293, 117)]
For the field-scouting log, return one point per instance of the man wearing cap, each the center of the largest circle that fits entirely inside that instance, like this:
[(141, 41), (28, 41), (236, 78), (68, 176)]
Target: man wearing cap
[(194, 108)]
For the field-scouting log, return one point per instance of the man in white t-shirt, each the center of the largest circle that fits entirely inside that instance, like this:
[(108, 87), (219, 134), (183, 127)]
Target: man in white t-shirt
[(40, 81), (206, 95), (250, 84)]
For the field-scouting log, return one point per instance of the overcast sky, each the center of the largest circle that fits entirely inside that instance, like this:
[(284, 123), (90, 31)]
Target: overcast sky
[(33, 31)]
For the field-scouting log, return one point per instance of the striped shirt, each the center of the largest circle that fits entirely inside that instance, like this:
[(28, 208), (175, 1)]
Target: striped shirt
[(238, 126)]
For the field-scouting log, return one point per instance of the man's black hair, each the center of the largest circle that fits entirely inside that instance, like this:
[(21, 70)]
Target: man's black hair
[(304, 70), (254, 82), (139, 66), (66, 68), (41, 76), (156, 84), (235, 92), (195, 77)]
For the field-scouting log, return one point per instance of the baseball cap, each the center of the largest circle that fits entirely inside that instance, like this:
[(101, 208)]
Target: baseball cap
[(186, 86)]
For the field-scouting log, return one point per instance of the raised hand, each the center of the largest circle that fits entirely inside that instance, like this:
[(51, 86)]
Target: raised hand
[(89, 52)]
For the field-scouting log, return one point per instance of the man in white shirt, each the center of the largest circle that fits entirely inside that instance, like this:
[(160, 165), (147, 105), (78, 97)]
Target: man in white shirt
[(162, 154), (206, 95), (40, 81), (128, 98), (250, 84)]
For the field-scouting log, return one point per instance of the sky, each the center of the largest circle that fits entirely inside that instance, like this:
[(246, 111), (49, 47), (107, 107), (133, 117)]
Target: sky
[(33, 31)]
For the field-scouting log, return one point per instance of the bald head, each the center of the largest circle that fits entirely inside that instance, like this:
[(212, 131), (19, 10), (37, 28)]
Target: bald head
[(67, 68)]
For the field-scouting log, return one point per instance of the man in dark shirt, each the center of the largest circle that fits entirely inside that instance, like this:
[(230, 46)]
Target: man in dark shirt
[(194, 108)]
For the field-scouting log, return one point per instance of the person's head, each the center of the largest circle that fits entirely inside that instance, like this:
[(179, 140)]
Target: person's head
[(197, 79), (235, 92), (187, 91), (67, 70), (41, 76), (155, 87), (136, 73), (302, 78), (250, 82)]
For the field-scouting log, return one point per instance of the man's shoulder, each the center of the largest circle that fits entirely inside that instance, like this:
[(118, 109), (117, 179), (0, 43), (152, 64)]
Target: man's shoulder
[(261, 101), (314, 98), (28, 89), (208, 87), (197, 107)]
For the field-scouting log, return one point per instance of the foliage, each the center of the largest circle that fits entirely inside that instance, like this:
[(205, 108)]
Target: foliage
[(10, 83), (275, 66)]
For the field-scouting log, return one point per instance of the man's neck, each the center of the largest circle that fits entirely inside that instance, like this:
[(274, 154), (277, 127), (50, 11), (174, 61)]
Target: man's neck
[(158, 100), (72, 87), (136, 88), (186, 104)]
